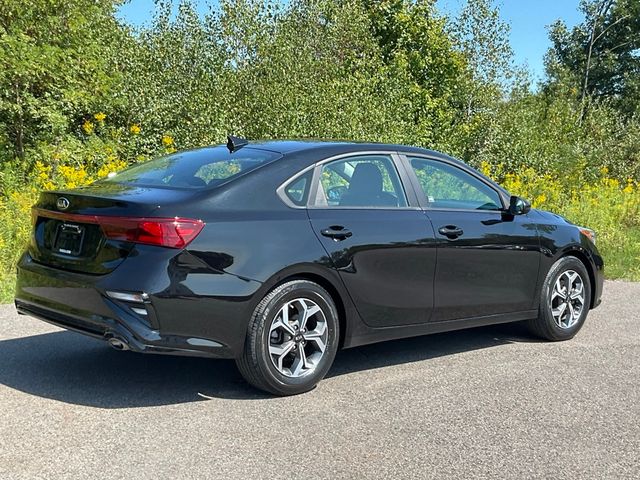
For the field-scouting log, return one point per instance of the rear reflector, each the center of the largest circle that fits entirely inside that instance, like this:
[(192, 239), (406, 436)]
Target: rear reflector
[(128, 297), (173, 232)]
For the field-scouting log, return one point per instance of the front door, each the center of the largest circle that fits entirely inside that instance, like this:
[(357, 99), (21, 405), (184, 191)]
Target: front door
[(488, 260), (382, 247)]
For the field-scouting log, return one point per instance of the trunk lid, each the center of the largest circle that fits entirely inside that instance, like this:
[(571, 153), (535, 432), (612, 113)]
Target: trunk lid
[(66, 228)]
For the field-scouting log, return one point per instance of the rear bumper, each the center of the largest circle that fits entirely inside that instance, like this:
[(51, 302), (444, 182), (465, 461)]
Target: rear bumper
[(178, 321), (149, 341)]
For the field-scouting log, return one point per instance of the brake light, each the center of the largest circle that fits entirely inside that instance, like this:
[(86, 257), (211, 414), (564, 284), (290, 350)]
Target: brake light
[(164, 232), (173, 232)]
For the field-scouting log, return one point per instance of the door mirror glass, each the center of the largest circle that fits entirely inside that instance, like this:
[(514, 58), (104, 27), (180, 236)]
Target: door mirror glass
[(518, 206)]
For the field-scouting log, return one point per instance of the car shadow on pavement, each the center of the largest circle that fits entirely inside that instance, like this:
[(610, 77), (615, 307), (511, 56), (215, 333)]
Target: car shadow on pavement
[(72, 368)]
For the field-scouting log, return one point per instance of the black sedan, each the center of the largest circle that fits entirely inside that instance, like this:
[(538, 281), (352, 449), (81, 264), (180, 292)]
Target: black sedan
[(279, 253)]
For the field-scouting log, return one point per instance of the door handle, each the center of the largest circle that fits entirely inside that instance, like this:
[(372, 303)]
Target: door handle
[(336, 232), (450, 231)]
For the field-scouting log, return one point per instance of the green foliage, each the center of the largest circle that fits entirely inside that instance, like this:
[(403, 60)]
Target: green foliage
[(54, 68), (82, 95), (600, 55)]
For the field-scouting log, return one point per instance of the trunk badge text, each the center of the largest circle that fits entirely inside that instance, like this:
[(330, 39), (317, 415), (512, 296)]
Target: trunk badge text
[(62, 203)]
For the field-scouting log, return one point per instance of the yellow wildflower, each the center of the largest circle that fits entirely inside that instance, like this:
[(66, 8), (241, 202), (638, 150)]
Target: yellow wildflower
[(100, 117), (135, 129), (88, 127), (629, 187), (73, 176), (43, 176), (540, 199), (167, 140)]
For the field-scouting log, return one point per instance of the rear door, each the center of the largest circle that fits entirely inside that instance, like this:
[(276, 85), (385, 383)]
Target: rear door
[(376, 236), (488, 260)]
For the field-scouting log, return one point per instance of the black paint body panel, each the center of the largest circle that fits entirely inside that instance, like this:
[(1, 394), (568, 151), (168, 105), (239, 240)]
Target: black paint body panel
[(395, 277)]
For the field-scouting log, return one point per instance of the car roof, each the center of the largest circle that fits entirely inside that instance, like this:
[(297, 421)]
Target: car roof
[(302, 153), (336, 147)]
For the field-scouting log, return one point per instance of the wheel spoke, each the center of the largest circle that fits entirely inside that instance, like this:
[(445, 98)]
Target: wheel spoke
[(576, 293), (282, 321), (281, 351), (319, 331), (578, 297), (571, 277), (571, 314), (307, 314), (558, 290), (559, 312), (320, 343), (300, 363)]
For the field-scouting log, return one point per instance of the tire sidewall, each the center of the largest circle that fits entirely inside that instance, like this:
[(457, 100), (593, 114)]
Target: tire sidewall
[(275, 379), (561, 266)]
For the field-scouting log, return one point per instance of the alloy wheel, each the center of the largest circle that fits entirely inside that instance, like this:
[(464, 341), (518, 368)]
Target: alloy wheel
[(567, 299), (298, 338)]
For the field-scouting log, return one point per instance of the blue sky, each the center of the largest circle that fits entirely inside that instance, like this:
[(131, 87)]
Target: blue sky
[(528, 20)]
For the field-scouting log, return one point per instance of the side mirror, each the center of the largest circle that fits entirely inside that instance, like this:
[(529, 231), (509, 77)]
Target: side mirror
[(518, 206)]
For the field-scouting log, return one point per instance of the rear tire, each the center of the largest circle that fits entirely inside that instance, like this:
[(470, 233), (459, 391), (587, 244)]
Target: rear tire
[(292, 339), (564, 301)]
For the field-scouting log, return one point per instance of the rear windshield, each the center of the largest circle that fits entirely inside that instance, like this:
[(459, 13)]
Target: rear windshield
[(202, 168)]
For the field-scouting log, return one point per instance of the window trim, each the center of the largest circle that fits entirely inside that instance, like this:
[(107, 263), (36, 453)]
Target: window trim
[(405, 158)]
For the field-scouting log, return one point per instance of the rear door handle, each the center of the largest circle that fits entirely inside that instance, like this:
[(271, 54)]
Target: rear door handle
[(450, 231), (336, 232)]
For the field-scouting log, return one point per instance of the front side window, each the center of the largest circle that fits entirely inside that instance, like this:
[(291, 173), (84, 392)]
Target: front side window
[(448, 187), (201, 168), (360, 181)]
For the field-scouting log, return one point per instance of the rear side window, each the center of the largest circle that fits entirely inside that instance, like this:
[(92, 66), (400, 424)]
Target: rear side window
[(298, 189), (367, 181), (195, 168)]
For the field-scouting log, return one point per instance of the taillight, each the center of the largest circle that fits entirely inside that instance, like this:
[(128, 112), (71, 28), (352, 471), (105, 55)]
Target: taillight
[(164, 232), (173, 232)]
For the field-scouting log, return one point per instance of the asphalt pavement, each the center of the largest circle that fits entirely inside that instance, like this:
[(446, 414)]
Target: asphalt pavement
[(490, 402)]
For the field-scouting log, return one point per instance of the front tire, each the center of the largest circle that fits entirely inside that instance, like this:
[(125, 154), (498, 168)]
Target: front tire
[(564, 302), (292, 339)]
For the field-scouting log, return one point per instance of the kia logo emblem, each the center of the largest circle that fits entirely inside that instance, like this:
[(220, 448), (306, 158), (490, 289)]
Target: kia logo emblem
[(62, 203)]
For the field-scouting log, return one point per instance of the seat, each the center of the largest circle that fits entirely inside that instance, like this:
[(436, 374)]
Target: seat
[(366, 189)]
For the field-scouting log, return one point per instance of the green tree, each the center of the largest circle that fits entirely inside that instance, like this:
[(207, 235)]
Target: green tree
[(55, 58), (599, 56), (482, 39), (416, 48)]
